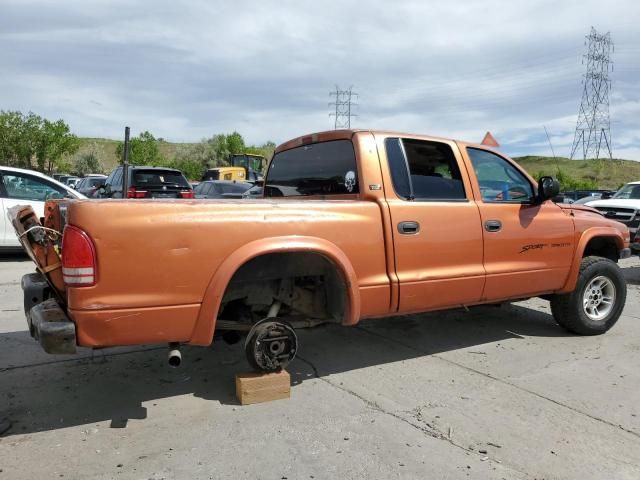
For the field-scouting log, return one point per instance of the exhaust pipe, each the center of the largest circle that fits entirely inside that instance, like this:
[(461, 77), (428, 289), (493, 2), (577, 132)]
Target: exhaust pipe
[(175, 357)]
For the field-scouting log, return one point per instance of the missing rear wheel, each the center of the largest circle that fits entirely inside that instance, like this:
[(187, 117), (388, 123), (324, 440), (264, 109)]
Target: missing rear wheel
[(270, 346)]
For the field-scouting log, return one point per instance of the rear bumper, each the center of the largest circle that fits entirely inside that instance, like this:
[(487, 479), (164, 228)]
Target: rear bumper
[(48, 323)]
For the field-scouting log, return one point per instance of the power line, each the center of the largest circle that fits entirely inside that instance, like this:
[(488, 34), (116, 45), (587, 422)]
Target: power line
[(593, 128), (343, 107)]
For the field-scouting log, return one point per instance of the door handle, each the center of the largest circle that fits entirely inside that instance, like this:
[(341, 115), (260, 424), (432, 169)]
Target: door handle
[(408, 228), (493, 225)]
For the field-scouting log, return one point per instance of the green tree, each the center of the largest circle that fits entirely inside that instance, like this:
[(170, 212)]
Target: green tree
[(213, 152), (235, 143), (25, 139), (143, 150), (266, 150), (18, 136), (87, 162), (55, 142), (208, 153), (192, 169)]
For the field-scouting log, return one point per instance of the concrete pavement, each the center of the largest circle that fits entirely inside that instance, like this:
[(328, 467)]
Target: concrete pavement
[(496, 392)]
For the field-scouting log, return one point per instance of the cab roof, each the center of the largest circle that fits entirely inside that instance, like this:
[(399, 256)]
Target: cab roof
[(346, 134)]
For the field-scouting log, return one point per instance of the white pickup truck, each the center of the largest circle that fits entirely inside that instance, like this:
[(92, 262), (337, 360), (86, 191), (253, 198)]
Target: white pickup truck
[(624, 207)]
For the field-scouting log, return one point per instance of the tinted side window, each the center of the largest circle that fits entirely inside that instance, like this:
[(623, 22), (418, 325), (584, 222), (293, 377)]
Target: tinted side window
[(26, 187), (499, 180), (327, 168), (117, 179), (398, 167), (433, 172), (109, 179)]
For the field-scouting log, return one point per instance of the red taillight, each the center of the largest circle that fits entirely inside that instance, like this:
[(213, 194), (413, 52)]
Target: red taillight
[(186, 193), (133, 193), (78, 258)]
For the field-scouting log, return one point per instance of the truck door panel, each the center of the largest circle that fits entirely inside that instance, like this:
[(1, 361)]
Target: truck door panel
[(528, 246), (437, 233)]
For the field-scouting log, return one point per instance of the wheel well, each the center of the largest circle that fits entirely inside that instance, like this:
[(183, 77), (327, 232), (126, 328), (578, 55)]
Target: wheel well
[(307, 284), (602, 247)]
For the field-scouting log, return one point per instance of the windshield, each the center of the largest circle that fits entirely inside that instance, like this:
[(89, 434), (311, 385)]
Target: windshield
[(93, 181), (232, 187), (211, 175), (630, 190), (159, 177), (327, 168)]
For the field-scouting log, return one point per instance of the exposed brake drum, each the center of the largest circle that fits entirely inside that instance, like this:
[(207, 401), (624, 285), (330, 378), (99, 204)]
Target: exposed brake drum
[(270, 345)]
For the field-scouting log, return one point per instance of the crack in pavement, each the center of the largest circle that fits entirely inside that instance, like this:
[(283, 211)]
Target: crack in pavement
[(431, 432), (503, 381)]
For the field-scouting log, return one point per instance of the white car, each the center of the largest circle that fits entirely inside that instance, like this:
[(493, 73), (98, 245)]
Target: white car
[(624, 207), (26, 187)]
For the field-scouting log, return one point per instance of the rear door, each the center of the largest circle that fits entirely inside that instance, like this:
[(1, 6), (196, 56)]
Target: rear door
[(528, 246), (19, 188), (437, 233)]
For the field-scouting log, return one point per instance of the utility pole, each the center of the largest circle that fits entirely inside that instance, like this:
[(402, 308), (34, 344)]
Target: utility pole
[(342, 104), (593, 128), (125, 163)]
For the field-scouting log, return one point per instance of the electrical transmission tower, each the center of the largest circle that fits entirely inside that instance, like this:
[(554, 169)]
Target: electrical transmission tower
[(343, 103), (593, 129)]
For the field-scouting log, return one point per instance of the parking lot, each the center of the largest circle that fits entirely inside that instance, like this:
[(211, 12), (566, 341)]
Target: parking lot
[(494, 392)]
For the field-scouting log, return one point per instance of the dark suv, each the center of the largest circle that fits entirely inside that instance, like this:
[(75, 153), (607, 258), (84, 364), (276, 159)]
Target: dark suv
[(147, 182)]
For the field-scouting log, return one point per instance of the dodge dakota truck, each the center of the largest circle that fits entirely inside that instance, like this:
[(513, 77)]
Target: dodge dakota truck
[(353, 224)]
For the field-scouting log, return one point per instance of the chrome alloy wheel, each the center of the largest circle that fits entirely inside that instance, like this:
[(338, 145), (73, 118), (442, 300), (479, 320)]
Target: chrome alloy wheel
[(599, 298)]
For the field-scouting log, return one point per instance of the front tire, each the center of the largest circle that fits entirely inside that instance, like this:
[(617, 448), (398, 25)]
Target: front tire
[(597, 301)]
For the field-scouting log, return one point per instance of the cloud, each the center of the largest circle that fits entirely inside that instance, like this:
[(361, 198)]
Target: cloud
[(185, 70)]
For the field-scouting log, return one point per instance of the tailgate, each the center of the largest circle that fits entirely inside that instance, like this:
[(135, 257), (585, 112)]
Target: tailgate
[(42, 242)]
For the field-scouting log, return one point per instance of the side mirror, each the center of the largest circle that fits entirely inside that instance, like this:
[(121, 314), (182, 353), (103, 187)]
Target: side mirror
[(548, 187)]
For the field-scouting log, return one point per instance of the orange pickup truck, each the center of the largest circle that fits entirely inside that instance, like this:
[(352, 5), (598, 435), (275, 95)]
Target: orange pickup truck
[(353, 224)]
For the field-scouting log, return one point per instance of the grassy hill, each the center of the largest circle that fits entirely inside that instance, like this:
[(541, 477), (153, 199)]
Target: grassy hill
[(105, 149), (604, 173)]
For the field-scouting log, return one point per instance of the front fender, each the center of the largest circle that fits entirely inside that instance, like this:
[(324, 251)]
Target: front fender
[(206, 322), (584, 240)]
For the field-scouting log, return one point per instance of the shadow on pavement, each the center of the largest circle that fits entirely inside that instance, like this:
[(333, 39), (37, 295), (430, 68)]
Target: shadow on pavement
[(17, 255), (122, 385)]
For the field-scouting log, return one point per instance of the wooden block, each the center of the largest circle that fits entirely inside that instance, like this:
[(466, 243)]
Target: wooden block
[(262, 387)]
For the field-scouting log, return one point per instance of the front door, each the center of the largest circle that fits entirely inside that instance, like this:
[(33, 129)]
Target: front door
[(437, 234), (528, 246), (21, 188)]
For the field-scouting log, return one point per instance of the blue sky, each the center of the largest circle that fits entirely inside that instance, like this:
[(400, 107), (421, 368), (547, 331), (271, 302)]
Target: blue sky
[(265, 69)]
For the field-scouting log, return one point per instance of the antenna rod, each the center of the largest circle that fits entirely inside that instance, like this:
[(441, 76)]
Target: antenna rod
[(551, 145)]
